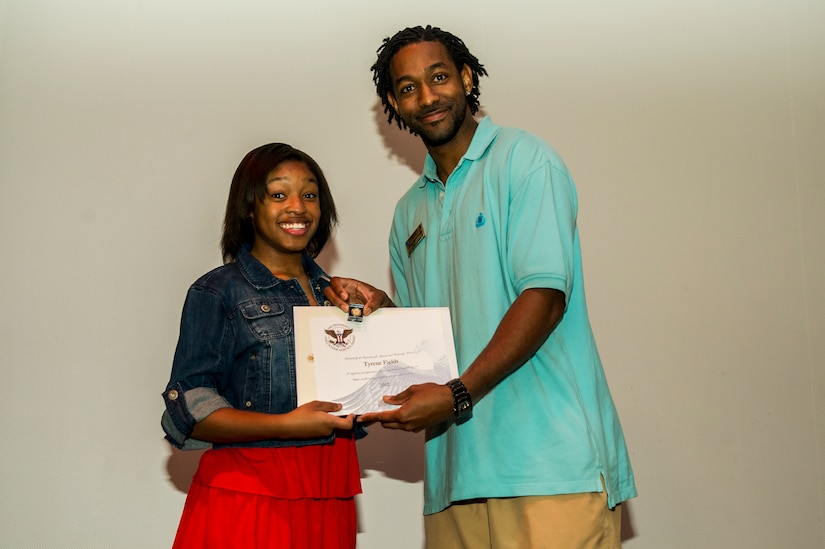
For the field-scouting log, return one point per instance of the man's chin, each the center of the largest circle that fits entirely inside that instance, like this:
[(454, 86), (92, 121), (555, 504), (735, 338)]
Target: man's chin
[(435, 139), (435, 142)]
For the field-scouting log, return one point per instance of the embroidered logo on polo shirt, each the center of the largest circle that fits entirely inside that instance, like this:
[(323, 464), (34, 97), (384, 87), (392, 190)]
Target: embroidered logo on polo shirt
[(480, 220)]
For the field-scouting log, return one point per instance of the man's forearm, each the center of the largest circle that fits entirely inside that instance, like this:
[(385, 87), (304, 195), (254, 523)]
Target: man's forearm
[(525, 327)]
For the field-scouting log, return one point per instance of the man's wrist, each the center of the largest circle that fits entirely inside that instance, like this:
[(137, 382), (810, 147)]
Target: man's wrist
[(462, 401)]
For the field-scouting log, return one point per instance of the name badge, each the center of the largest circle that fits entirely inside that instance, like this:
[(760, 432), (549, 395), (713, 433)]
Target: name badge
[(415, 239)]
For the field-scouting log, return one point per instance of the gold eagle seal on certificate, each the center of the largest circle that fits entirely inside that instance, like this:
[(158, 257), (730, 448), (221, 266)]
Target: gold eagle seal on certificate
[(339, 337)]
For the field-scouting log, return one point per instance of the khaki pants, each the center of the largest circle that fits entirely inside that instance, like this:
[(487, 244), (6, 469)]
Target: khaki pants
[(570, 521)]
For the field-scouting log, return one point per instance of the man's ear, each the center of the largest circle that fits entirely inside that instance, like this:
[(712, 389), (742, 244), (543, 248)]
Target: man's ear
[(393, 103), (467, 79)]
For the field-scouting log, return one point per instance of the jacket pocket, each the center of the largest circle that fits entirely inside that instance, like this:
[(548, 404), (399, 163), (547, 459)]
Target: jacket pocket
[(266, 319)]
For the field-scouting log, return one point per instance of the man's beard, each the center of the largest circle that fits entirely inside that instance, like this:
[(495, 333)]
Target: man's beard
[(433, 137)]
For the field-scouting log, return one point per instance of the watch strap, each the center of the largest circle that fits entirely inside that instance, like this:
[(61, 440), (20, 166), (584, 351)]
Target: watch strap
[(462, 401)]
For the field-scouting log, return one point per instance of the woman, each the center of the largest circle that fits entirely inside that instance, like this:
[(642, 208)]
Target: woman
[(278, 474)]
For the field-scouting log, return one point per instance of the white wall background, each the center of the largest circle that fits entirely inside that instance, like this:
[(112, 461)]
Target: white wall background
[(695, 131)]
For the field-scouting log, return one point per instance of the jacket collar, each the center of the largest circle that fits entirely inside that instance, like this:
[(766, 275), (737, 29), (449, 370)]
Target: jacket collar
[(260, 277)]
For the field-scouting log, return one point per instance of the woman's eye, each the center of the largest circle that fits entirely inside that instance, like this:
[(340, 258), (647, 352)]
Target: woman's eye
[(310, 196), (277, 196)]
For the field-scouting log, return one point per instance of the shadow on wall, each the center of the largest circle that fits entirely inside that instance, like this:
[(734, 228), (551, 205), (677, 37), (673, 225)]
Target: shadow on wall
[(398, 455), (401, 145), (181, 467), (628, 531)]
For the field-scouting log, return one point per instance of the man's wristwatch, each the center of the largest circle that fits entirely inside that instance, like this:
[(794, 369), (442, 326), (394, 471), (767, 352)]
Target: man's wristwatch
[(462, 402)]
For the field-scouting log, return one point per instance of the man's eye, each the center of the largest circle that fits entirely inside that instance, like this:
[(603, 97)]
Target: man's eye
[(406, 89)]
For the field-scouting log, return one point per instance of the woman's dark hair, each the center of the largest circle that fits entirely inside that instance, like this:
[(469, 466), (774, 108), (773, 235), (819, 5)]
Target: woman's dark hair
[(249, 186), (412, 35)]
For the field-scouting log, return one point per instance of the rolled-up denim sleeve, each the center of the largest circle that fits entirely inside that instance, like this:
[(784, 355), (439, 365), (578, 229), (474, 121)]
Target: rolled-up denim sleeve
[(202, 364), (184, 409)]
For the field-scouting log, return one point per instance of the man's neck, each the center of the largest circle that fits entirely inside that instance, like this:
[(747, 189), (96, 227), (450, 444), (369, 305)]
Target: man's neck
[(448, 155)]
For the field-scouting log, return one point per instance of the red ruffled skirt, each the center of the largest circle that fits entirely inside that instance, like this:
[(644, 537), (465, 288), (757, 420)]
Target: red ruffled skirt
[(290, 497)]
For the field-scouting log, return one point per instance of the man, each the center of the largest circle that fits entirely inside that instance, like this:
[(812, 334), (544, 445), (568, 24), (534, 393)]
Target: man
[(524, 449)]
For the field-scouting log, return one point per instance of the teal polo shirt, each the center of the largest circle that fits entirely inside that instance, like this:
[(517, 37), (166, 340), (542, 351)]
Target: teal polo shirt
[(505, 222)]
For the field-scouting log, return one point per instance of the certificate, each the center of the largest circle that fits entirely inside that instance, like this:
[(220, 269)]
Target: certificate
[(357, 363)]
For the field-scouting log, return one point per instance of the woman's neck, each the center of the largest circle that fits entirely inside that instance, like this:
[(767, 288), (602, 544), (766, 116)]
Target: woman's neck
[(287, 267), (284, 266)]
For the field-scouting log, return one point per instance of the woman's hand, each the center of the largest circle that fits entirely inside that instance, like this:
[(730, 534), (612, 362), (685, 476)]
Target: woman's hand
[(316, 419), (310, 420)]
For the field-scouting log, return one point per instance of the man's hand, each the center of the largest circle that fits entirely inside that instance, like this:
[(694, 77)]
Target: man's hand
[(420, 407), (343, 291)]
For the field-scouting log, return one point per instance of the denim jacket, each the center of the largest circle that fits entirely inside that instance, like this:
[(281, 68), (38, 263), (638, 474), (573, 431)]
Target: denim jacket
[(237, 349)]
